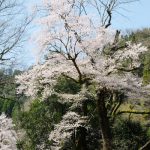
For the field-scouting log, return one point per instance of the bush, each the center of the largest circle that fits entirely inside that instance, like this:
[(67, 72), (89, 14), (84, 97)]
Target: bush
[(66, 85), (40, 119), (128, 135), (8, 106)]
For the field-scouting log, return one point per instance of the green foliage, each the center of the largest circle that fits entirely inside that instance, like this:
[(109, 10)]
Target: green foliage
[(7, 90), (66, 85), (128, 134), (146, 72), (142, 35), (40, 119), (1, 106), (148, 133), (16, 114), (25, 144), (8, 106)]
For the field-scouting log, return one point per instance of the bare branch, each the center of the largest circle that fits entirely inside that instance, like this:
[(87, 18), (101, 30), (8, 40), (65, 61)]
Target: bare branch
[(13, 24)]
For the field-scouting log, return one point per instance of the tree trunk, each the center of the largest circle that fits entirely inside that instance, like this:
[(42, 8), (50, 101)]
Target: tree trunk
[(84, 107), (81, 142), (104, 120)]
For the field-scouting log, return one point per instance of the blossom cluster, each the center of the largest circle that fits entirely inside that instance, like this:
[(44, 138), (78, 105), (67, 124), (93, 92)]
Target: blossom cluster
[(64, 130), (8, 136)]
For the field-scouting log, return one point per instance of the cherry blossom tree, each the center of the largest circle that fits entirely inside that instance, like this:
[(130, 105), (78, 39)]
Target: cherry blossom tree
[(8, 136), (84, 49)]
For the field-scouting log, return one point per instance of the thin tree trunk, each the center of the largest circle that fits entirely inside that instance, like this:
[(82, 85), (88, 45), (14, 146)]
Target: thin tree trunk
[(84, 107), (81, 143), (104, 120)]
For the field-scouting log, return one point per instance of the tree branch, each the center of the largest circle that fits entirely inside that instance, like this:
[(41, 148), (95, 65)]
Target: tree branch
[(146, 146), (133, 112)]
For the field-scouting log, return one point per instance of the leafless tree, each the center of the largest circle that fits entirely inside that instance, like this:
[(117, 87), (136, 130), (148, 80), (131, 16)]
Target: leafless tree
[(13, 23)]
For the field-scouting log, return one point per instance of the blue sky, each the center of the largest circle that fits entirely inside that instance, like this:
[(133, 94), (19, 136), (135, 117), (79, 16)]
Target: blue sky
[(134, 16)]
